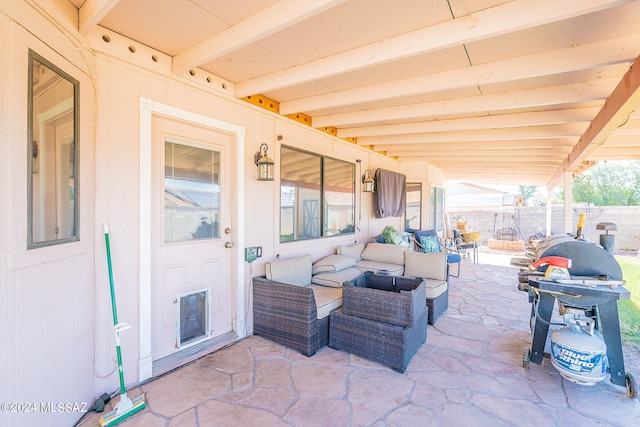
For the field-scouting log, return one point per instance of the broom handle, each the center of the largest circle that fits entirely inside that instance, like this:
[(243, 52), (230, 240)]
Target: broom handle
[(113, 307), (110, 267)]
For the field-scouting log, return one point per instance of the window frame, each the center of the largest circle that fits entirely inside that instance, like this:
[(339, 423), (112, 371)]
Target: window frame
[(437, 207), (417, 185), (75, 237), (322, 201)]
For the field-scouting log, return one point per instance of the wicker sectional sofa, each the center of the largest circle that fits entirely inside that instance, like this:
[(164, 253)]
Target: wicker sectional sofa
[(293, 301), (291, 310), (376, 257)]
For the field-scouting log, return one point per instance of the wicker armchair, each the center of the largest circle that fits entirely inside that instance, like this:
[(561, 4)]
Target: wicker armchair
[(432, 243), (287, 314), (432, 267)]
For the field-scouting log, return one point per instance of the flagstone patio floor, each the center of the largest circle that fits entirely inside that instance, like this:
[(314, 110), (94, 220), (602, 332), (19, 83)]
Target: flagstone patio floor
[(468, 373)]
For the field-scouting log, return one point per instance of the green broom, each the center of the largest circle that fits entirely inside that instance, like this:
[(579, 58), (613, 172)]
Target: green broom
[(125, 407)]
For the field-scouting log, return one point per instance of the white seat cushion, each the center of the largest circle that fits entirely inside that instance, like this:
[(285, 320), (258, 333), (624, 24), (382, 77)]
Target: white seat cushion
[(327, 299), (435, 287), (337, 278)]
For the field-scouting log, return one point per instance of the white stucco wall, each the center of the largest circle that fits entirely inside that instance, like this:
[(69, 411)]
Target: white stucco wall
[(55, 312), (47, 295), (120, 86)]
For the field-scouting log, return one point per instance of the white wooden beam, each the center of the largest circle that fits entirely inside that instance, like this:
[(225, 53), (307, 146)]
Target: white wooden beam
[(476, 166), (565, 60), (526, 132), (92, 12), (630, 127), (601, 157), (621, 141), (479, 171), (503, 155), (619, 152), (490, 180), (525, 180), (548, 143), (459, 173), (624, 99), (481, 122), (479, 177), (502, 19), (277, 17), (462, 172), (552, 95)]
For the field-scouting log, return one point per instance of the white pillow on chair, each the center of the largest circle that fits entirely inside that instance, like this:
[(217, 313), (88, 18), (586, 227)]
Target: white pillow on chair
[(353, 251), (430, 265), (294, 271)]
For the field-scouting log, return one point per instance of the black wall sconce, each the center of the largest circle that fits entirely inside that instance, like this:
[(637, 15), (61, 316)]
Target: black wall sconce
[(264, 164), (368, 182)]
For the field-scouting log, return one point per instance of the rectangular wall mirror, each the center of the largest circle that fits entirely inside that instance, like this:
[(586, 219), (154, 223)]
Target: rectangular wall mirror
[(52, 151)]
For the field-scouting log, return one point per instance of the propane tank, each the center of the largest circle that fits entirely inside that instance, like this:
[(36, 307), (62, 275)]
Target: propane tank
[(578, 352)]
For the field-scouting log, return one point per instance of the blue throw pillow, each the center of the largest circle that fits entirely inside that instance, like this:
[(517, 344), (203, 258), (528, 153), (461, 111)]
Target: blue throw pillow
[(429, 244)]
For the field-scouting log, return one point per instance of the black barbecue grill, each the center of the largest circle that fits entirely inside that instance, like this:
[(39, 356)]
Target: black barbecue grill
[(595, 285)]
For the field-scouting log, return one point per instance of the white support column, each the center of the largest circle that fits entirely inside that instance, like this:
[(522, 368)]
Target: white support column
[(547, 226), (568, 197)]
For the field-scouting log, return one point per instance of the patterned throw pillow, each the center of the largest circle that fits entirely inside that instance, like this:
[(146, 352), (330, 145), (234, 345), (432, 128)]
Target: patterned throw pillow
[(429, 244)]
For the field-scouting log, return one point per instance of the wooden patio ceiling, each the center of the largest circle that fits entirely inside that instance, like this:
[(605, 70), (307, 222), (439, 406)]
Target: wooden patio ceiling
[(490, 91)]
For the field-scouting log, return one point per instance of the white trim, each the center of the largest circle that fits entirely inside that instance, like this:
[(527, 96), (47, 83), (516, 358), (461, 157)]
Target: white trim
[(56, 111), (144, 229), (147, 109)]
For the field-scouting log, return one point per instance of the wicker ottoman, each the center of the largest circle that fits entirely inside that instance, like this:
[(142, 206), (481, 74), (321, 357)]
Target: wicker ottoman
[(385, 343), (390, 299)]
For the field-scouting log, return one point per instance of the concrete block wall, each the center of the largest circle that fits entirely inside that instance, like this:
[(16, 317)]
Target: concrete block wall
[(527, 221)]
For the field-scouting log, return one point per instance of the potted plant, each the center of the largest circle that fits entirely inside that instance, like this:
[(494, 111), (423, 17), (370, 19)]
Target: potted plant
[(387, 234)]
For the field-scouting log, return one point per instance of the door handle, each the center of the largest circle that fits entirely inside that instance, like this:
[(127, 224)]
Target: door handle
[(228, 245)]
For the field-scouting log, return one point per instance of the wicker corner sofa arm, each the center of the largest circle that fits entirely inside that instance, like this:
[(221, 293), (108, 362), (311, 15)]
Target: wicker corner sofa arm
[(287, 314)]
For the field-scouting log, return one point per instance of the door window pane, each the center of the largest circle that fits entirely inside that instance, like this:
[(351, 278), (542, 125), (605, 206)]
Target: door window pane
[(191, 192), (52, 152)]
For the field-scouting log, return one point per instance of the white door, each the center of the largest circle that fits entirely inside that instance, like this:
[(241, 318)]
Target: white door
[(191, 227)]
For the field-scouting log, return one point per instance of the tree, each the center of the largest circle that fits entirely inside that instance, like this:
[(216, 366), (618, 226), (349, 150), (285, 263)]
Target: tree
[(609, 184), (528, 192)]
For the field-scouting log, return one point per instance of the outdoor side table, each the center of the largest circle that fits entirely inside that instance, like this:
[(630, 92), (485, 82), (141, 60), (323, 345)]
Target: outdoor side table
[(382, 319), (473, 246)]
